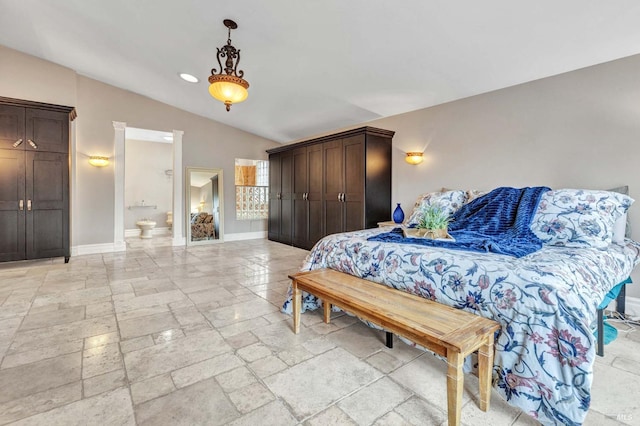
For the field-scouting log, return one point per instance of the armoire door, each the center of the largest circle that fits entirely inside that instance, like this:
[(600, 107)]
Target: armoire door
[(47, 130), (47, 204), (275, 191), (12, 205), (286, 205), (314, 195), (333, 175), (300, 213), (12, 127), (354, 176)]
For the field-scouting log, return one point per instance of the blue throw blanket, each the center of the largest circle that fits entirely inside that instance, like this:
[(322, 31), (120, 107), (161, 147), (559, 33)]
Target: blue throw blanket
[(497, 222)]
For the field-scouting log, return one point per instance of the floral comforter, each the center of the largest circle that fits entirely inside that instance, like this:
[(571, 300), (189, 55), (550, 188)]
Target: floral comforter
[(545, 303)]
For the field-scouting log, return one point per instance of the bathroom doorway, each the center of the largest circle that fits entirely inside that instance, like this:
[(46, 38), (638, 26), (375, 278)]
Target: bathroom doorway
[(204, 206), (177, 237), (148, 184)]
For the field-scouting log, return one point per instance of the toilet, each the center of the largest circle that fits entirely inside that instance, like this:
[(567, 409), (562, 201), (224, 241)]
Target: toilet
[(145, 226)]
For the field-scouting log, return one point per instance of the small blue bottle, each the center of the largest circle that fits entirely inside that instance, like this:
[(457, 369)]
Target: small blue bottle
[(398, 214)]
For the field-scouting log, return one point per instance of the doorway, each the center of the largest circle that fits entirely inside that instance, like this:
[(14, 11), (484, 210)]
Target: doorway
[(178, 239)]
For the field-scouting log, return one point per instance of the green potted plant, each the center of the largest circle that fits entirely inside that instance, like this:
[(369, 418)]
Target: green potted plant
[(434, 223)]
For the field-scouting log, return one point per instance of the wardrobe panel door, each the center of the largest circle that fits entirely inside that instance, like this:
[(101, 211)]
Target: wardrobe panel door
[(354, 161), (48, 130), (12, 219), (333, 176), (300, 207), (314, 195), (275, 172), (286, 205), (12, 127), (48, 211)]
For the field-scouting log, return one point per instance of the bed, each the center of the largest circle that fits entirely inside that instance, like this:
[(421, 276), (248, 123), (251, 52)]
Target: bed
[(545, 301)]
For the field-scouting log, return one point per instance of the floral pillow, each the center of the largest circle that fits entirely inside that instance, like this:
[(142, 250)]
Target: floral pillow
[(578, 217), (450, 201)]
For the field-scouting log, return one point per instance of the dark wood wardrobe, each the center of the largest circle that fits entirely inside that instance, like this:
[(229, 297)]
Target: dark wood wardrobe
[(335, 183), (34, 180)]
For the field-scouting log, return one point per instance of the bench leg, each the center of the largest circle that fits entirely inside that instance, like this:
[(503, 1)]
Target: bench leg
[(327, 311), (297, 301), (455, 385), (389, 340), (485, 369)]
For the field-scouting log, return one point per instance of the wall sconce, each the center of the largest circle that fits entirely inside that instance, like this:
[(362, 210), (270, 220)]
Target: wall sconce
[(98, 161), (414, 158)]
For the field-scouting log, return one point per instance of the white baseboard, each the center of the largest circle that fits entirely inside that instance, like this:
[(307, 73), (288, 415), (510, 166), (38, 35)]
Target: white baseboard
[(245, 236), (155, 231), (97, 249), (632, 306), (179, 241)]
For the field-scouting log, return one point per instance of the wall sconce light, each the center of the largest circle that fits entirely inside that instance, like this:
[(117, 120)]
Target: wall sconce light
[(98, 161), (414, 158)]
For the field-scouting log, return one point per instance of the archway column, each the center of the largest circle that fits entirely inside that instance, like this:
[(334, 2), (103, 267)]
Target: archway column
[(178, 226), (118, 171)]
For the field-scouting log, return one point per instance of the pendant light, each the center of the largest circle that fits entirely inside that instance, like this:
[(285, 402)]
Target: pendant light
[(228, 87)]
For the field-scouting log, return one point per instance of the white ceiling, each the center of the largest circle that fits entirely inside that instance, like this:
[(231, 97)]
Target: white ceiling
[(315, 66)]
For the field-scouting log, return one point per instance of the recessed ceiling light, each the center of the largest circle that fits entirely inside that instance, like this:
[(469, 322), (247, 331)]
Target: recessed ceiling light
[(188, 77)]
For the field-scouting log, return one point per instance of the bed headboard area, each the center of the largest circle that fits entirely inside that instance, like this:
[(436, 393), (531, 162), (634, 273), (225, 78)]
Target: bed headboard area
[(624, 190)]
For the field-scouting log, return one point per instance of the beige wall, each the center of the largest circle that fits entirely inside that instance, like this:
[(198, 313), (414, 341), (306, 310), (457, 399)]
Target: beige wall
[(27, 77), (206, 143)]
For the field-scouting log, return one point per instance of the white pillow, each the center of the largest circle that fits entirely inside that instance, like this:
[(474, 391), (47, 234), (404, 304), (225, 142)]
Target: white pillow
[(619, 229), (579, 217)]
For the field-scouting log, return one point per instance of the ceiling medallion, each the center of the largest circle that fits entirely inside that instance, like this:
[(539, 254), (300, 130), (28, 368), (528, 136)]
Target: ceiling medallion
[(229, 87)]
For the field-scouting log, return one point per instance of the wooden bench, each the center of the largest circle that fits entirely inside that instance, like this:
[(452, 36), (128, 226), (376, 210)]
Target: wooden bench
[(447, 331)]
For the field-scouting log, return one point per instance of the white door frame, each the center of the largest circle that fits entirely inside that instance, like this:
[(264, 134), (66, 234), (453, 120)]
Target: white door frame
[(118, 205)]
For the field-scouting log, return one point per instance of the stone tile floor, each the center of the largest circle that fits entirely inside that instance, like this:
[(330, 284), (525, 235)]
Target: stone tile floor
[(161, 335)]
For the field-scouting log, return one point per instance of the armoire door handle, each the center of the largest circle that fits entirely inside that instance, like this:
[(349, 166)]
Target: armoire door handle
[(17, 143), (339, 198), (21, 205), (32, 143), (279, 196), (29, 205), (342, 197)]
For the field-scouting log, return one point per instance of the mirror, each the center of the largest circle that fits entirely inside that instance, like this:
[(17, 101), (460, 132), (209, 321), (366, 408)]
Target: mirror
[(204, 206)]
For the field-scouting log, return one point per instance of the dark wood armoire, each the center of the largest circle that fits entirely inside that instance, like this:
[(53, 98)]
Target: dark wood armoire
[(335, 183), (34, 180)]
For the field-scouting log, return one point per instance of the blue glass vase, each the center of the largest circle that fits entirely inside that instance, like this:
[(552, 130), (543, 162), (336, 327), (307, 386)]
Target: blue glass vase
[(398, 214)]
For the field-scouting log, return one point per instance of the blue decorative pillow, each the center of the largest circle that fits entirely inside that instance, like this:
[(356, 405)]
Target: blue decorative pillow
[(579, 217), (449, 201)]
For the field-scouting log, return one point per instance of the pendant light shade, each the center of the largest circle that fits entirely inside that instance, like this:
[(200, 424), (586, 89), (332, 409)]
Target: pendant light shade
[(228, 89)]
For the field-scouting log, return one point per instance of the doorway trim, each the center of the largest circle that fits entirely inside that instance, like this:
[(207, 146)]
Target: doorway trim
[(118, 205)]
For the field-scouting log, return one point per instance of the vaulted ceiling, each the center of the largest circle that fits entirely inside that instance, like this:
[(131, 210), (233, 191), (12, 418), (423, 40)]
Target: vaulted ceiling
[(317, 65)]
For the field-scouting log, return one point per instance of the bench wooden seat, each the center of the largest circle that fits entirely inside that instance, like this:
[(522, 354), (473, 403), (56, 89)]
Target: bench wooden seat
[(447, 331)]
